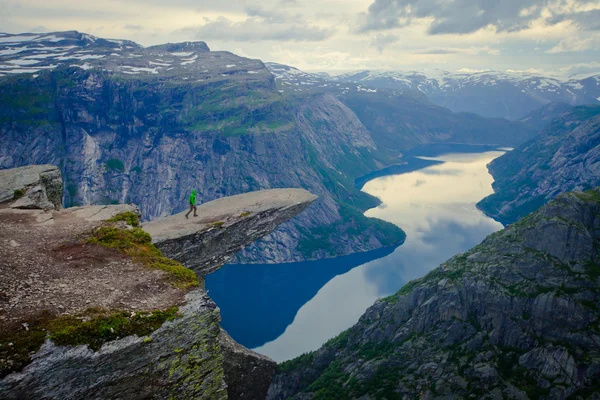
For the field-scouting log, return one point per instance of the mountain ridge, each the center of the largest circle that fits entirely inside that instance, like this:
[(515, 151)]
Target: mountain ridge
[(515, 317)]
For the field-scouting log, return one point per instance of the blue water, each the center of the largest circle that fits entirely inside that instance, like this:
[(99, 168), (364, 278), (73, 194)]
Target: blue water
[(284, 310)]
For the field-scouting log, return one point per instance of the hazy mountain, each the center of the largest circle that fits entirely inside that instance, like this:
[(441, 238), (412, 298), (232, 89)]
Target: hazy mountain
[(510, 95)]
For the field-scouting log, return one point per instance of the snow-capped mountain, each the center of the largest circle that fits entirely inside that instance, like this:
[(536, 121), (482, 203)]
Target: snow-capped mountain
[(292, 80), (509, 95), (31, 53)]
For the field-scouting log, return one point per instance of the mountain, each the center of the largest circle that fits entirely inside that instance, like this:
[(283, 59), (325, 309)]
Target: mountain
[(565, 156), (401, 118), (493, 94), (516, 317), (148, 125), (128, 124)]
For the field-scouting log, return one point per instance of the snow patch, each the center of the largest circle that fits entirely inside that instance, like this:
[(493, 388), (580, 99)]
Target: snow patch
[(253, 72), (183, 53), (140, 69), (8, 52), (51, 38), (230, 66), (23, 61), (160, 64)]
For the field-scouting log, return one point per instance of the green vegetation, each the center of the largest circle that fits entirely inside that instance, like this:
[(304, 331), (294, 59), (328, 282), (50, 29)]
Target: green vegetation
[(137, 244), (94, 327), (217, 224), (330, 384), (130, 217), (245, 214), (137, 170), (18, 194), (303, 361), (105, 326), (114, 164), (353, 224)]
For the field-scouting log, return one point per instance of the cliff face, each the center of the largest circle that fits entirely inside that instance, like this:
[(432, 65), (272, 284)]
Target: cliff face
[(92, 309), (148, 125), (565, 156), (515, 317), (150, 140)]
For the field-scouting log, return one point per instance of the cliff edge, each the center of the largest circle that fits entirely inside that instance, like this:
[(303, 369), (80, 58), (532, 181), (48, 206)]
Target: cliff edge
[(91, 308)]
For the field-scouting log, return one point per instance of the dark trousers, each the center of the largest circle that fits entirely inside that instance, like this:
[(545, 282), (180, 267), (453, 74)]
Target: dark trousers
[(192, 208)]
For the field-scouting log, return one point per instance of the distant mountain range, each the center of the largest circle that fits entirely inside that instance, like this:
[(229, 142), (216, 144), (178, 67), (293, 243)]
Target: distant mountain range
[(489, 94)]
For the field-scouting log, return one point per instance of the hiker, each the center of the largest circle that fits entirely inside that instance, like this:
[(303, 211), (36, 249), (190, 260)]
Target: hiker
[(192, 205)]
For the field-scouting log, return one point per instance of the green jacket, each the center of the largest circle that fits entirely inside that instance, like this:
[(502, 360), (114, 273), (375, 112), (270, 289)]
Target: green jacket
[(193, 198)]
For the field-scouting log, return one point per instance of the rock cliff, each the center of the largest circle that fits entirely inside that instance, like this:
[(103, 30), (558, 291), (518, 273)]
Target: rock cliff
[(565, 156), (92, 309), (128, 124), (516, 317)]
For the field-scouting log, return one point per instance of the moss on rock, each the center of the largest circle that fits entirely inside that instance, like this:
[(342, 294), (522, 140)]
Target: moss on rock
[(137, 244)]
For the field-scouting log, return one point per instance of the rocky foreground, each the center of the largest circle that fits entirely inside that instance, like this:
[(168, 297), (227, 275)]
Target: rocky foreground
[(90, 307), (516, 317)]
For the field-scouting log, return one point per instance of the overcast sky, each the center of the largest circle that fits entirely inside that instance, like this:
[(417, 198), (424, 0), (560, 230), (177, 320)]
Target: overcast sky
[(551, 36)]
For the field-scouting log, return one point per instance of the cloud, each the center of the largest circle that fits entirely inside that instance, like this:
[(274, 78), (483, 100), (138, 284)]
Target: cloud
[(131, 27), (270, 16), (468, 16), (576, 43), (381, 41), (592, 68), (257, 28), (465, 50)]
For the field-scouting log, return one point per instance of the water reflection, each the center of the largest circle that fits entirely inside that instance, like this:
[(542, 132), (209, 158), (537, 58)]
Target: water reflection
[(259, 301), (436, 208)]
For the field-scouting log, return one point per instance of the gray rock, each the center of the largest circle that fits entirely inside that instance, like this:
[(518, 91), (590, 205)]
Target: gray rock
[(189, 357), (32, 187), (564, 157), (182, 360), (225, 226), (511, 318), (248, 374)]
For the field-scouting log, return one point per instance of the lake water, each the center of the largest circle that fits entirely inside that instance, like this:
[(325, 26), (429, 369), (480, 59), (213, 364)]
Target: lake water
[(285, 310)]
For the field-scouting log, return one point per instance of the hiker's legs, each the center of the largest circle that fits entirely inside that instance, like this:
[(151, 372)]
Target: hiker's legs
[(191, 208), (195, 211)]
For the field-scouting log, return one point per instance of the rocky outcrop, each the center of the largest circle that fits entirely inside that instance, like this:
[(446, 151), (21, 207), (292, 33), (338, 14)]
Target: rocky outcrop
[(247, 373), (515, 317), (182, 359), (148, 125), (565, 156), (32, 187), (91, 309), (224, 227)]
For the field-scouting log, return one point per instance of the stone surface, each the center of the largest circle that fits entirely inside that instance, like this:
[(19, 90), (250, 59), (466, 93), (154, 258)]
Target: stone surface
[(564, 157), (180, 360), (36, 187), (225, 226), (60, 274), (247, 373), (148, 125), (516, 317)]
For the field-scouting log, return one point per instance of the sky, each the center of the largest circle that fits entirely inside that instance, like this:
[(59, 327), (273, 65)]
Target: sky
[(552, 37)]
